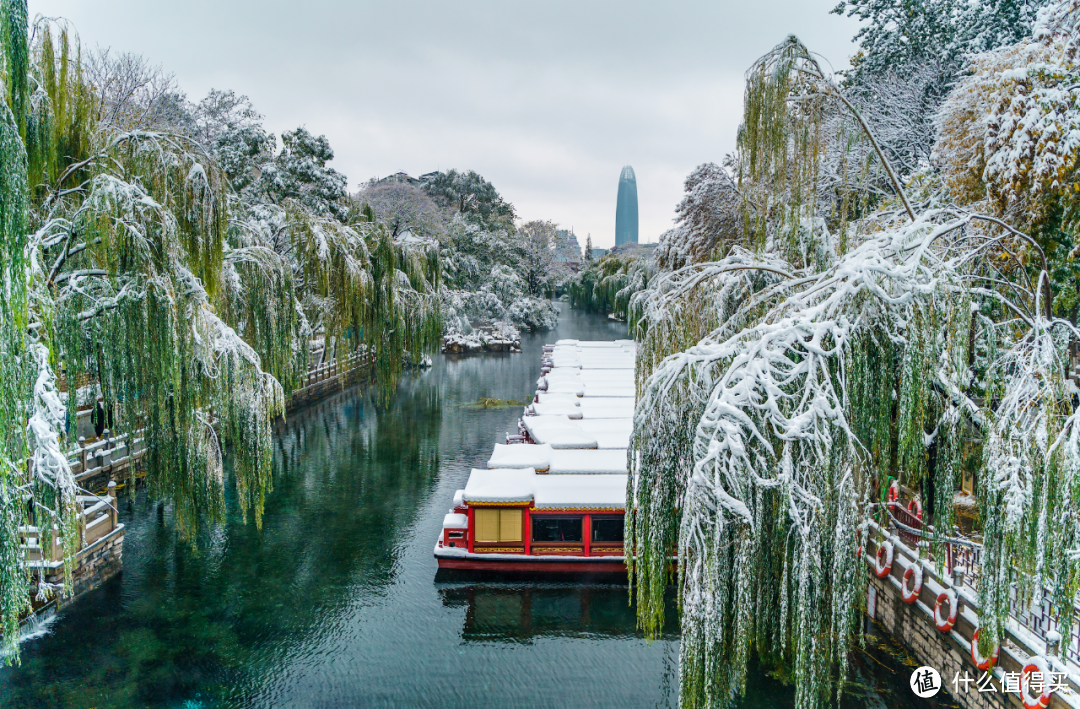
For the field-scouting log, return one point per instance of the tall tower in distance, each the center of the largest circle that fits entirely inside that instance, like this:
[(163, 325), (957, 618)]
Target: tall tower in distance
[(626, 222)]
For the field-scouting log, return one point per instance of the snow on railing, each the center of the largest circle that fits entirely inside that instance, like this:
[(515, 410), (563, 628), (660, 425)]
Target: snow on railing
[(1023, 639), (97, 518), (108, 453), (1039, 620)]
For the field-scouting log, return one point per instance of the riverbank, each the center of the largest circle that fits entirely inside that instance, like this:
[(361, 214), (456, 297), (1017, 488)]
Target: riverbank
[(335, 602)]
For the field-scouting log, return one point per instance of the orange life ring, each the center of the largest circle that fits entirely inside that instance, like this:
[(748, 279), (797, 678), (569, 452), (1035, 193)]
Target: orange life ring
[(1042, 700), (883, 560), (983, 663), (913, 574), (918, 508), (946, 623), (894, 492)]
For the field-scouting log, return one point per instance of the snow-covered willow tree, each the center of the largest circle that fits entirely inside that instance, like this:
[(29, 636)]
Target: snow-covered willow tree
[(608, 284), (138, 273), (781, 387)]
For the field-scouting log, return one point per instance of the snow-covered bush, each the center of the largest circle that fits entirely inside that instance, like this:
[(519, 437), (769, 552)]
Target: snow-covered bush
[(1013, 125), (533, 314)]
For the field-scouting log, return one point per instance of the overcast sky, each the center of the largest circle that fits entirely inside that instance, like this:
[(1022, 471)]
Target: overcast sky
[(547, 100)]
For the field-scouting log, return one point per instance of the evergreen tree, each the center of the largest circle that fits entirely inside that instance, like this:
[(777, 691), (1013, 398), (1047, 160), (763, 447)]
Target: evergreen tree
[(470, 195), (898, 35)]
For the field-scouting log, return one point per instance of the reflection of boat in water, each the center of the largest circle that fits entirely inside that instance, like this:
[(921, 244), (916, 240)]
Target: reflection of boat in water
[(552, 499), (517, 612)]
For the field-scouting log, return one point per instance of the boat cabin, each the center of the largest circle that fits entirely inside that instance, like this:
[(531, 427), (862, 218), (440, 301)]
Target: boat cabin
[(553, 498), (515, 512)]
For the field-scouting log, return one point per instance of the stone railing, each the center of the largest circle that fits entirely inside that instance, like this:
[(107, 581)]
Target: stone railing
[(1040, 619), (96, 463), (323, 376), (97, 519), (1028, 634), (100, 547)]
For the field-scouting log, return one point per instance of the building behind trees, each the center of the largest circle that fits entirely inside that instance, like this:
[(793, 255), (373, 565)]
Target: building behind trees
[(626, 211)]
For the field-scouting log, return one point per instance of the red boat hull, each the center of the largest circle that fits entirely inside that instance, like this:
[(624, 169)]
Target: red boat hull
[(527, 565)]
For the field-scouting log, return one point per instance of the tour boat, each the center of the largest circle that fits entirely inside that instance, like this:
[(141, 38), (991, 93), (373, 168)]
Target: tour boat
[(552, 499)]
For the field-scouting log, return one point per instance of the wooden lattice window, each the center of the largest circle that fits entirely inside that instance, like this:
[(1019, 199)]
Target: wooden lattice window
[(497, 525)]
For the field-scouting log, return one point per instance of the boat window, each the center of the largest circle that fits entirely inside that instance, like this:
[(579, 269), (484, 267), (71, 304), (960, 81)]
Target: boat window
[(497, 525), (556, 529), (607, 529)]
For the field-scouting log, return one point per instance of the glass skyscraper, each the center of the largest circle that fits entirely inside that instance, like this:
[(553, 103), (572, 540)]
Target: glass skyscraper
[(626, 222)]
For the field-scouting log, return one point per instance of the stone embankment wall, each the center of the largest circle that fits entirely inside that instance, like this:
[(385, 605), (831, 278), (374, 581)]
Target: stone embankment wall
[(95, 565), (912, 625)]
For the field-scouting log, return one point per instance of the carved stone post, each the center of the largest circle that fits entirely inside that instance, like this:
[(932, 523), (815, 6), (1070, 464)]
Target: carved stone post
[(112, 503), (53, 549), (1053, 643)]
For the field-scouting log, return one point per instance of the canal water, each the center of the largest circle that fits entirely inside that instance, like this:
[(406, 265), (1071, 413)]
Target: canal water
[(336, 601)]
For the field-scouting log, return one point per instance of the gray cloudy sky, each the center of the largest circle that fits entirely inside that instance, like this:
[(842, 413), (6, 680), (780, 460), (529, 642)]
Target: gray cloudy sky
[(548, 100)]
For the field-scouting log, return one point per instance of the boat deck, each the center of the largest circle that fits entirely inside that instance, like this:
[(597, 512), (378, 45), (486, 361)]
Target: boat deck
[(552, 499)]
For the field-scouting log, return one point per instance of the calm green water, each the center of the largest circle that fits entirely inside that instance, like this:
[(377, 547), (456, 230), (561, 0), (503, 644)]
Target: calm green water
[(336, 602)]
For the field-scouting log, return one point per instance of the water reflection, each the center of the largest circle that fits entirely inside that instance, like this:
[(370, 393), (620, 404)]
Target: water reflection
[(214, 618), (336, 601), (513, 612)]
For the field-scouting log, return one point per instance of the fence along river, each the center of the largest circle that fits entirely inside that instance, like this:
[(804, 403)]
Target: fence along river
[(336, 601)]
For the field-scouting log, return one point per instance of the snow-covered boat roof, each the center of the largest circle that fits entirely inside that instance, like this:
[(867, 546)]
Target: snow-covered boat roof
[(592, 391), (562, 433), (609, 397), (543, 458), (558, 408), (588, 462), (507, 485), (568, 393), (558, 431), (566, 387), (584, 408), (521, 455), (607, 376), (594, 355), (551, 492), (581, 492), (614, 361), (609, 433), (596, 343), (557, 397), (455, 521)]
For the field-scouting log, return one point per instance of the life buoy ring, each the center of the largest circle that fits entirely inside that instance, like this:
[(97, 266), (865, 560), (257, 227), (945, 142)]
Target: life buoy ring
[(945, 623), (883, 560), (912, 575), (983, 663), (894, 492), (1041, 700), (917, 512)]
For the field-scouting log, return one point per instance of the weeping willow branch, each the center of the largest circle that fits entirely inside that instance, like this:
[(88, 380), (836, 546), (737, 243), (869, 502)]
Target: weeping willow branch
[(756, 449)]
